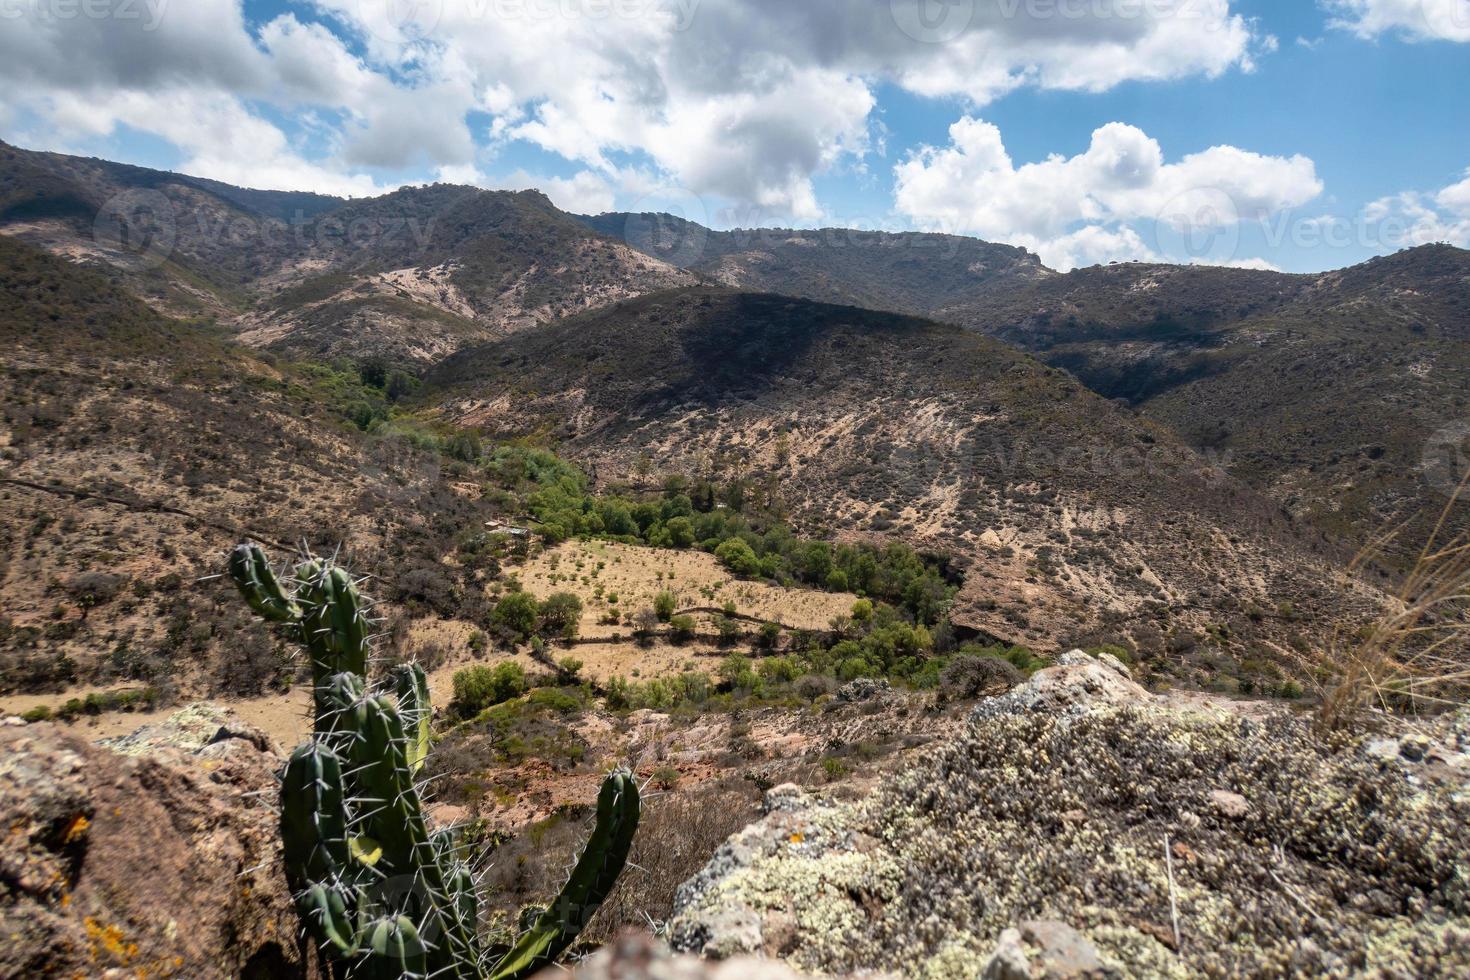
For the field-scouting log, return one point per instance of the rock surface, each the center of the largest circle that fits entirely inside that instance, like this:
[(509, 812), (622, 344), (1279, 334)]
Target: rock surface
[(1076, 684), (637, 956), (1035, 846), (156, 865)]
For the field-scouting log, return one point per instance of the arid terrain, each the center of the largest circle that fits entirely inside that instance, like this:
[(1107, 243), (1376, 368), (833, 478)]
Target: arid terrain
[(898, 564)]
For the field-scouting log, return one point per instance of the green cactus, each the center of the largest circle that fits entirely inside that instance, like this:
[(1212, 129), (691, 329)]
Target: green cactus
[(379, 893)]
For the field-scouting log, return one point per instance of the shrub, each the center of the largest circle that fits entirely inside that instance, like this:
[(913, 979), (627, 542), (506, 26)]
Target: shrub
[(515, 615), (813, 686), (479, 687), (967, 677), (663, 606), (738, 557), (729, 629), (770, 635), (559, 615), (682, 628), (40, 712)]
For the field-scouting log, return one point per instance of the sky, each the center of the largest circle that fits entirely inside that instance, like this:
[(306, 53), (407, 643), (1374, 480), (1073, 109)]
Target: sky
[(1300, 135)]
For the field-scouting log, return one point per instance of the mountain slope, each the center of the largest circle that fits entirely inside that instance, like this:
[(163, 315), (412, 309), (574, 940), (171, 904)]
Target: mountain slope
[(911, 273), (1343, 395), (408, 276), (1075, 517), (135, 450)]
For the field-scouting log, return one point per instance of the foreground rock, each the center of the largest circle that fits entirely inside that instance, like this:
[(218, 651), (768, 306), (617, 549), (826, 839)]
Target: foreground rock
[(157, 865), (637, 956), (1060, 844)]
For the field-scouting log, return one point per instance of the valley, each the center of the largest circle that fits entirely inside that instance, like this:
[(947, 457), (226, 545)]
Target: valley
[(742, 511)]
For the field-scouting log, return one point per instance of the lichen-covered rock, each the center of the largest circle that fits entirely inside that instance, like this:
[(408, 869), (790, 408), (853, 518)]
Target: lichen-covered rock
[(637, 956), (862, 689), (1289, 853), (163, 864), (1115, 665), (1076, 684)]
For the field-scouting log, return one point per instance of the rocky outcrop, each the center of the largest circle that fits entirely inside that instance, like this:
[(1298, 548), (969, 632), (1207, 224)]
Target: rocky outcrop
[(1076, 684), (159, 864), (1082, 829)]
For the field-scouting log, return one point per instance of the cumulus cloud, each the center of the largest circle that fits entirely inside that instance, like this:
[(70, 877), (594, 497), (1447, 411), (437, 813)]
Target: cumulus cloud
[(582, 193), (742, 100), (1082, 210), (1416, 218), (1421, 20)]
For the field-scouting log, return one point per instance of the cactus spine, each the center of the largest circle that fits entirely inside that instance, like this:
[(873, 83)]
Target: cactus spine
[(379, 893)]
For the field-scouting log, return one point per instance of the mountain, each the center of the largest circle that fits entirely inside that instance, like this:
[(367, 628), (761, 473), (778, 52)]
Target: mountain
[(1074, 517), (407, 277), (135, 450), (913, 273), (1340, 395)]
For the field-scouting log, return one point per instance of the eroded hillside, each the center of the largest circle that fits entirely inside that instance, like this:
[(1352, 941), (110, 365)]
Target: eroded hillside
[(1074, 517)]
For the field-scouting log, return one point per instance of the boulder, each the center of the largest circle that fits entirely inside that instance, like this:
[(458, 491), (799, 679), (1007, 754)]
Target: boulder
[(1077, 684), (160, 863)]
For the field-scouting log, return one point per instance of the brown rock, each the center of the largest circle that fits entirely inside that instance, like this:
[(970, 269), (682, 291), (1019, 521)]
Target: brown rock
[(1229, 804), (157, 865)]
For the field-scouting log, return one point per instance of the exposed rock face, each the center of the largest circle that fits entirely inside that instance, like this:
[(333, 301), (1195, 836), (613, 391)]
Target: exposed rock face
[(157, 865), (1035, 846), (1076, 684)]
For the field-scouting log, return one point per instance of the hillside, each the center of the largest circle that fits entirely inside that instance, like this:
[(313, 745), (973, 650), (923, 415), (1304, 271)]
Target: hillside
[(1073, 518), (409, 276), (1341, 395), (912, 273), (134, 450)]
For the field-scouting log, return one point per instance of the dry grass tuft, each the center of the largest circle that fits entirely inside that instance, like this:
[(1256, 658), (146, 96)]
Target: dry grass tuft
[(1417, 655)]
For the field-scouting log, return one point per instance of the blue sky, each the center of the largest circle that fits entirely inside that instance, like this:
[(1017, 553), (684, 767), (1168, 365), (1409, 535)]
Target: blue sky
[(1298, 135)]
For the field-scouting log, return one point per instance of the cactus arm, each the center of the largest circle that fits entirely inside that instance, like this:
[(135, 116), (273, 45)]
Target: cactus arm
[(313, 816), (257, 582), (592, 879), (334, 620), (412, 688), (392, 950), (396, 824), (328, 917)]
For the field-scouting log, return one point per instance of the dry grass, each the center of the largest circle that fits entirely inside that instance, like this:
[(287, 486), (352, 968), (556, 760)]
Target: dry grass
[(1417, 655)]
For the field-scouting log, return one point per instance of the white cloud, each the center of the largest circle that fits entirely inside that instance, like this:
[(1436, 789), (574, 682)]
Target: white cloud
[(744, 101), (582, 193), (1420, 20), (1415, 218), (1079, 210)]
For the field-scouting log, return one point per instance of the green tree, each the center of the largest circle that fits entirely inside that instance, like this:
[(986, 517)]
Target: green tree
[(680, 531), (663, 606), (559, 615), (736, 555), (515, 615), (479, 687)]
